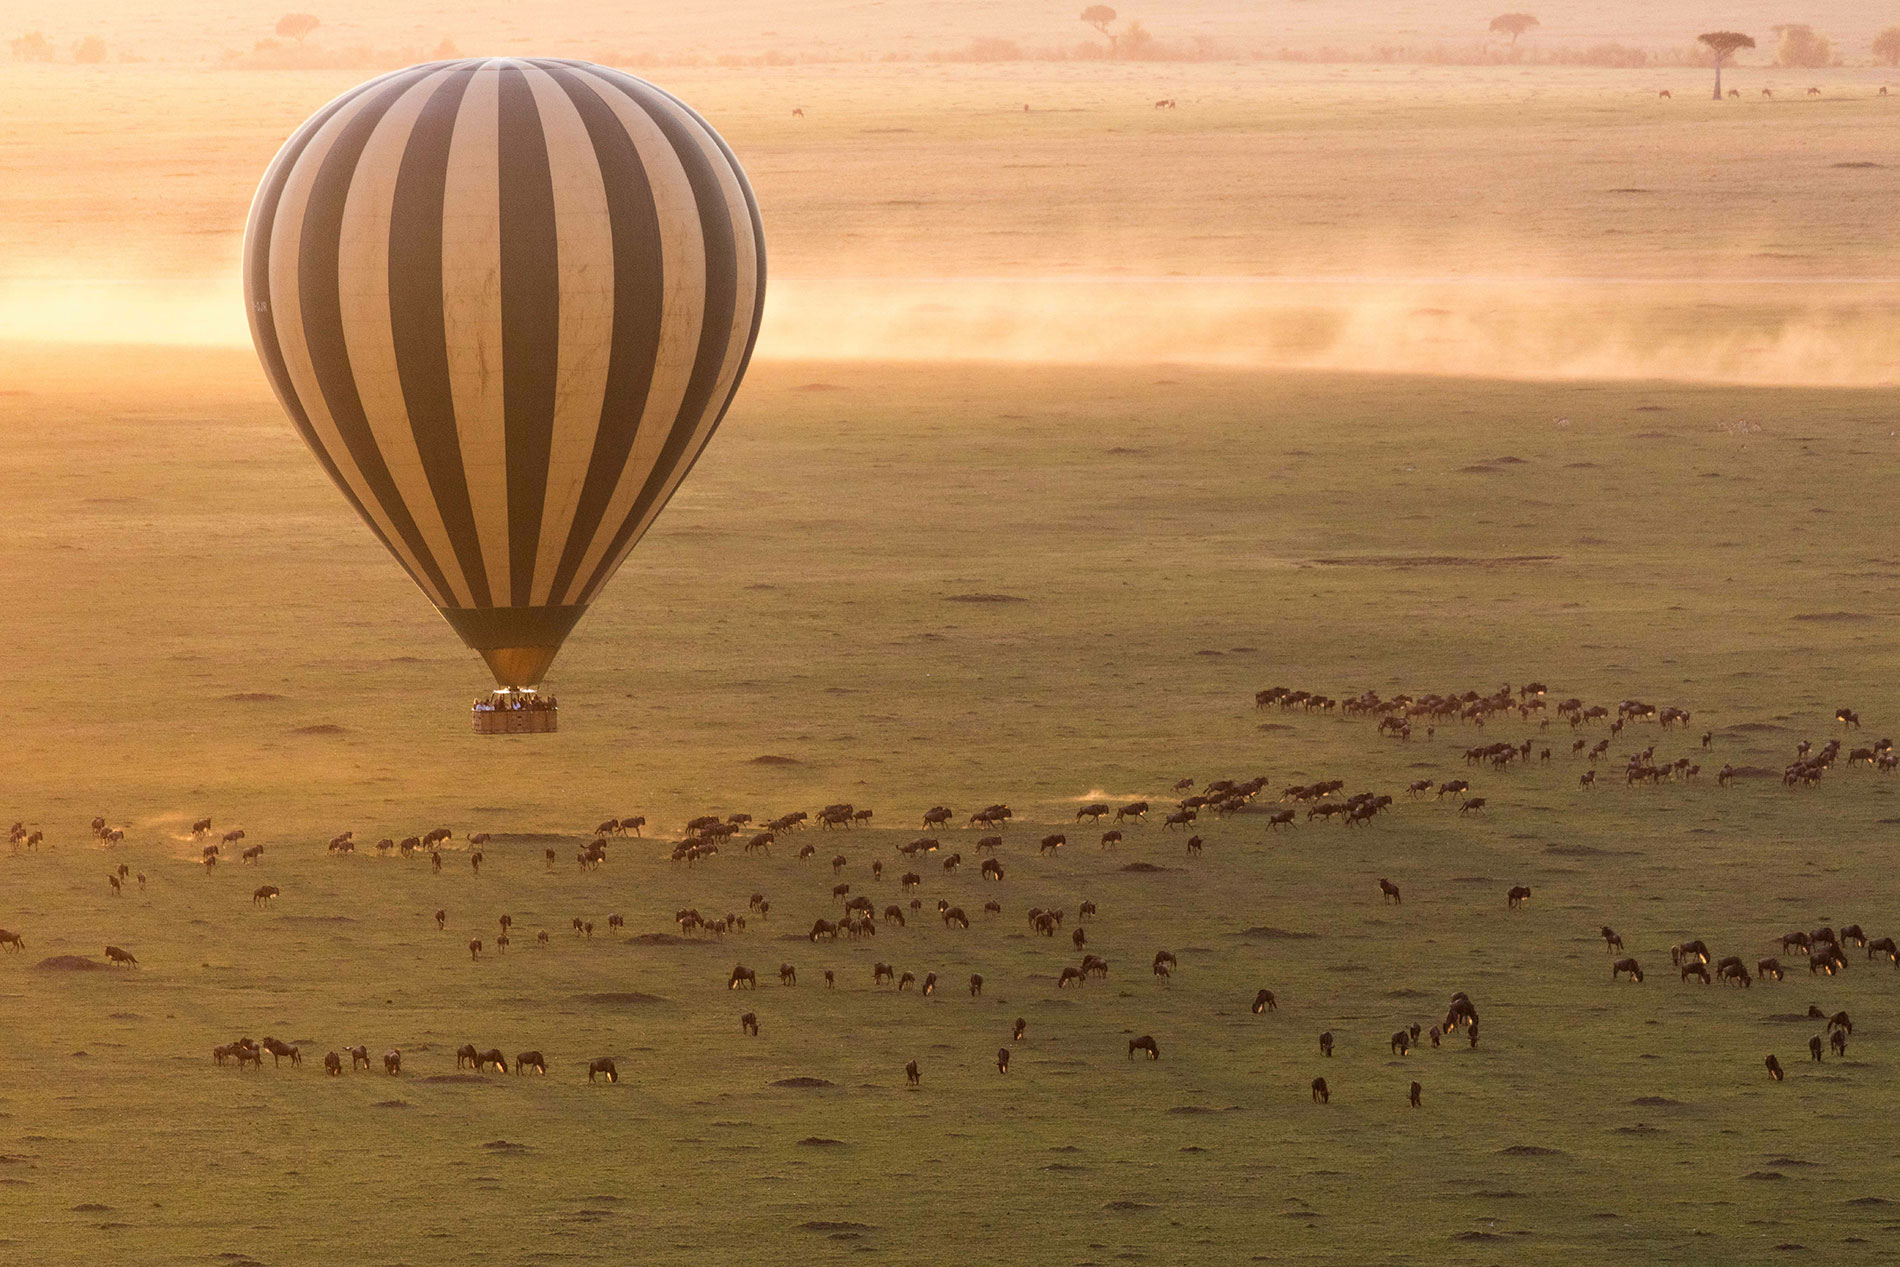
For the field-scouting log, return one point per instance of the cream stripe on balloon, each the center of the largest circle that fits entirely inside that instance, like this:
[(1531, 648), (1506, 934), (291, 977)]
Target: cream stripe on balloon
[(584, 249), (286, 246), (471, 311), (683, 313), (363, 283)]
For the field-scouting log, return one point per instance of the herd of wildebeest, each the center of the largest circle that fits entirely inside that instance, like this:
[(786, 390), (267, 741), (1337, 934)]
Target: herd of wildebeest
[(858, 916)]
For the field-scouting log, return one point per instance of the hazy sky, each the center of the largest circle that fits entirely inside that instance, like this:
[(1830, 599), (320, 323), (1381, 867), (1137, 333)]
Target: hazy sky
[(709, 27)]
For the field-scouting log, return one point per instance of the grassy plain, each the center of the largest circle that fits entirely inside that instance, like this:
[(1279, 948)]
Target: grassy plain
[(1178, 536)]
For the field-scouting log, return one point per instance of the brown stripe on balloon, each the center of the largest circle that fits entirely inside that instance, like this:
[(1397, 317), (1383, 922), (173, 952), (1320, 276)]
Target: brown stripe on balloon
[(716, 330), (420, 331), (530, 321), (257, 291), (323, 317), (639, 289)]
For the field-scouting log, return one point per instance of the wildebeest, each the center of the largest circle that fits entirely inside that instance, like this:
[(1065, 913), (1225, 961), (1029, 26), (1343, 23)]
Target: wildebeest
[(1417, 1091), (278, 1050), (749, 1023), (1111, 838), (493, 1057), (530, 1060), (1052, 842), (1326, 1043), (333, 1064), (359, 1055), (1265, 1001), (1321, 1095), (1766, 968), (976, 985), (1682, 952), (392, 1062), (1091, 812), (1885, 946), (1814, 1048), (1838, 1041), (1475, 802), (1841, 1021), (14, 941), (1134, 809), (1070, 976), (1002, 1060), (742, 975), (116, 955), (1022, 1027), (475, 948), (912, 1074), (1402, 1042), (1145, 1043), (1390, 891), (1774, 1067), (787, 974), (466, 1054), (603, 1068), (1610, 939), (1695, 968), (1517, 896), (1736, 973)]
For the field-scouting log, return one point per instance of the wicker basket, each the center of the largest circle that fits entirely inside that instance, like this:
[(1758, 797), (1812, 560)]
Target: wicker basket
[(540, 720)]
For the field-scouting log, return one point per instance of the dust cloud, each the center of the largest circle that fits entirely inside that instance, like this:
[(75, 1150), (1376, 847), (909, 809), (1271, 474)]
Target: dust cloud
[(1836, 333)]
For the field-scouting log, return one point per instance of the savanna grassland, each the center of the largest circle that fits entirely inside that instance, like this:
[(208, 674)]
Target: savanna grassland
[(195, 625)]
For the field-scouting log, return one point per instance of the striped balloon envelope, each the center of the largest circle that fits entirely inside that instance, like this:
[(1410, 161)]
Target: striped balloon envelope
[(506, 303)]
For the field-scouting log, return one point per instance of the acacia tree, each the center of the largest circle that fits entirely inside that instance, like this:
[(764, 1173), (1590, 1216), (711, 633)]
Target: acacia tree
[(1513, 25), (1099, 16), (297, 26), (1887, 47), (1800, 46), (1723, 44), (33, 47)]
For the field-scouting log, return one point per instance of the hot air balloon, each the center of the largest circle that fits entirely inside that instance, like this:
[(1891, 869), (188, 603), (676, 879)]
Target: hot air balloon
[(506, 302)]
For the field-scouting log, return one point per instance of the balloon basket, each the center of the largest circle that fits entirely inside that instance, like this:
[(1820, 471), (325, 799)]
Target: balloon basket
[(516, 712)]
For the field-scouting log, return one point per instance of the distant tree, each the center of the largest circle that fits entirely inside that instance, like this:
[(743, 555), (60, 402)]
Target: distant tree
[(33, 47), (1099, 16), (1800, 46), (297, 26), (89, 51), (1887, 47), (1724, 44), (1513, 24)]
